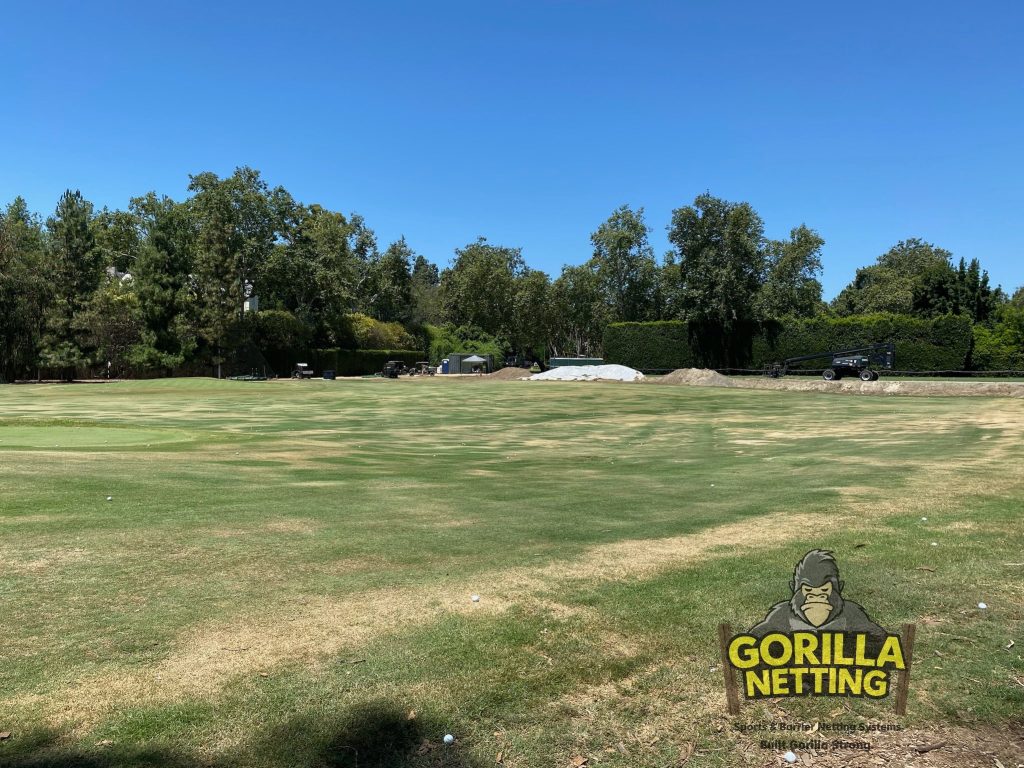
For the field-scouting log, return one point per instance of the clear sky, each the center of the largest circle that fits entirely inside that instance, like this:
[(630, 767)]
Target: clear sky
[(530, 122)]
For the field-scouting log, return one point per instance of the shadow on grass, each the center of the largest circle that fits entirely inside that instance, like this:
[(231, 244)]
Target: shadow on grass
[(376, 734)]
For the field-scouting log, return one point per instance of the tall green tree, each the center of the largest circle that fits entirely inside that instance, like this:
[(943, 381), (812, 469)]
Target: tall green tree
[(479, 288), (531, 314), (74, 268), (24, 291), (792, 271), (112, 324), (389, 284), (238, 221), (722, 262), (624, 263), (119, 238), (578, 313), (163, 279), (940, 289), (889, 284), (314, 272), (426, 283), (671, 290)]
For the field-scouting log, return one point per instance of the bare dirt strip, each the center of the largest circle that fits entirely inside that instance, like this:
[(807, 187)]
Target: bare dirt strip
[(705, 378)]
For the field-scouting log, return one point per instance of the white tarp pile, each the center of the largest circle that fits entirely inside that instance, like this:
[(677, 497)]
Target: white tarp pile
[(588, 373)]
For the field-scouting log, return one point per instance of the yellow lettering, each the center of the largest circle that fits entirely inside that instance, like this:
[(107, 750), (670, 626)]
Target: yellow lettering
[(780, 685), (758, 679), (876, 683), (850, 680), (805, 647), (798, 679), (766, 648), (862, 660), (891, 653), (837, 655), (818, 673), (742, 652)]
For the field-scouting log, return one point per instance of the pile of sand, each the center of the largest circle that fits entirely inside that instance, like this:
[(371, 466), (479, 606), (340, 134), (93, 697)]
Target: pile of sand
[(589, 373), (698, 377), (510, 374)]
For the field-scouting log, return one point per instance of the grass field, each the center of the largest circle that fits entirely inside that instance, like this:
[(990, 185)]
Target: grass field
[(282, 573)]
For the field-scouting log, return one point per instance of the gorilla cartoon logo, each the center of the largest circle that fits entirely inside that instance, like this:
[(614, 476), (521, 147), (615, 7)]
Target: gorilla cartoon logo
[(817, 604)]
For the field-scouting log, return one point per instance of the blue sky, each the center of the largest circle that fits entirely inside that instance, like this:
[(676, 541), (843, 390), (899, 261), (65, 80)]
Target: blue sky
[(530, 122)]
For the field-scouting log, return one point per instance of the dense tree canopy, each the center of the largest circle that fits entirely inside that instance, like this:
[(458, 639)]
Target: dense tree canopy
[(720, 247), (241, 268), (625, 267), (479, 288)]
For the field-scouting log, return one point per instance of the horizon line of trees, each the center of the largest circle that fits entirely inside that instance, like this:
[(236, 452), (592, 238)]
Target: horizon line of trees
[(164, 285)]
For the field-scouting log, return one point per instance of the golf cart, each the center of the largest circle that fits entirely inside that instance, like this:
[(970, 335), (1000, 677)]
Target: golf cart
[(302, 371), (393, 369), (423, 368)]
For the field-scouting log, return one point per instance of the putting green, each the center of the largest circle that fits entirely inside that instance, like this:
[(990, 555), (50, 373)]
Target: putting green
[(84, 438)]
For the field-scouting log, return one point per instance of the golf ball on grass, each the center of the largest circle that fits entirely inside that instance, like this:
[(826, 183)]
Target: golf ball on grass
[(789, 757), (475, 598), (983, 606), (110, 498), (449, 739)]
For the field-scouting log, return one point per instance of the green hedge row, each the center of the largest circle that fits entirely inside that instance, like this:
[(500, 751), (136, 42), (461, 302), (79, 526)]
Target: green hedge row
[(939, 344), (650, 346), (362, 362)]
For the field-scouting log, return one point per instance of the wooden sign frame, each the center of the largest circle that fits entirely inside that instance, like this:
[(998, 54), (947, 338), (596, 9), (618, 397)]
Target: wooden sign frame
[(732, 693)]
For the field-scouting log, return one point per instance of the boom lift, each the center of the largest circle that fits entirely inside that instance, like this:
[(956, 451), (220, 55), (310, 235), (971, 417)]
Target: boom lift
[(846, 362)]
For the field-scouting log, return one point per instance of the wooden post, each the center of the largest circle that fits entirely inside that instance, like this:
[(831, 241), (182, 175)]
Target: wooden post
[(732, 697), (903, 687)]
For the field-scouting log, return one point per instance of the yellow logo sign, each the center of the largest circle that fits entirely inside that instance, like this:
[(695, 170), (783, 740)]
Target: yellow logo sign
[(817, 643)]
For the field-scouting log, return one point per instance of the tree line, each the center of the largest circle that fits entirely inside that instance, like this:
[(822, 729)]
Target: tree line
[(178, 286)]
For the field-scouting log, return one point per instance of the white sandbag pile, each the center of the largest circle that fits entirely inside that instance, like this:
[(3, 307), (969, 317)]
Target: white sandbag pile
[(589, 373)]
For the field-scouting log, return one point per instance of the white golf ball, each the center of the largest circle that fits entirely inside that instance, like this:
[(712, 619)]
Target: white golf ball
[(983, 606), (110, 498), (475, 598), (935, 543), (789, 757), (449, 739), (924, 519)]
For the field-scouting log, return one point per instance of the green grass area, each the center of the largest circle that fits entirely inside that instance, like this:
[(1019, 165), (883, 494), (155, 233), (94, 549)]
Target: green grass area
[(279, 573)]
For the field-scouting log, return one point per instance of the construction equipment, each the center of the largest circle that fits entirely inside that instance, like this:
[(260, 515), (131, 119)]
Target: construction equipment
[(847, 362), (302, 371)]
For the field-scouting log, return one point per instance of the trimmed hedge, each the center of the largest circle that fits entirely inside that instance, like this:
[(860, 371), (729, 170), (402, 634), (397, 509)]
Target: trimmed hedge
[(939, 344), (362, 362), (649, 346)]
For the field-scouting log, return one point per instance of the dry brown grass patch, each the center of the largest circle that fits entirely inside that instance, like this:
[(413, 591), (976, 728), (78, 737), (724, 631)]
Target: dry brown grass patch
[(30, 563), (292, 525)]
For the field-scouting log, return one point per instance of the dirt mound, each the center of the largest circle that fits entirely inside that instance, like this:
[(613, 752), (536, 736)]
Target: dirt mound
[(705, 378), (510, 374), (698, 377), (936, 746)]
